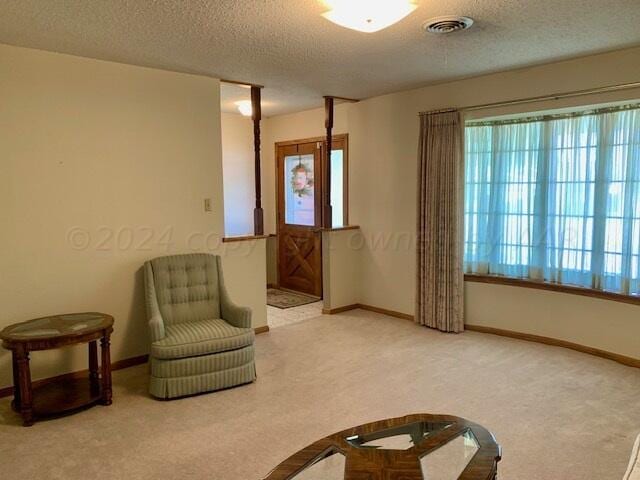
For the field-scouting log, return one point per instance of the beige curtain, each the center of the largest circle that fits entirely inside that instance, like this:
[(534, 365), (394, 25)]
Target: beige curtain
[(440, 280)]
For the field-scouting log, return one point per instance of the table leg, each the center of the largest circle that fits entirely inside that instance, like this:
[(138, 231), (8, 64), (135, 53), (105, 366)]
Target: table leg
[(93, 367), (24, 380), (106, 370), (16, 381)]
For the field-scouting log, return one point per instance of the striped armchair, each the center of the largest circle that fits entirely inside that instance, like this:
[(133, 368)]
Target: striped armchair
[(200, 340)]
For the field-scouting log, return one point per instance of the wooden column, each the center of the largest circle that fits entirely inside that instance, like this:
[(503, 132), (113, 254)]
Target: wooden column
[(256, 115), (328, 124)]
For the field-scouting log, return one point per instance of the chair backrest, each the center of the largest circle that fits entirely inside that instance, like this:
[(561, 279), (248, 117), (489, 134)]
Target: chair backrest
[(187, 287)]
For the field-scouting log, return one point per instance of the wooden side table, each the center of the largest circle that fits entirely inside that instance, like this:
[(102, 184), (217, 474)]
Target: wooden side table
[(64, 396)]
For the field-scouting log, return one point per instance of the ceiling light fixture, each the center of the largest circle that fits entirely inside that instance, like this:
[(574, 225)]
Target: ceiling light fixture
[(367, 15), (245, 107)]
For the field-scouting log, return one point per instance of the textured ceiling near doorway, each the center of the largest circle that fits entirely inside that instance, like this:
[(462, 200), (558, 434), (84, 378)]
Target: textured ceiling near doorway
[(299, 56)]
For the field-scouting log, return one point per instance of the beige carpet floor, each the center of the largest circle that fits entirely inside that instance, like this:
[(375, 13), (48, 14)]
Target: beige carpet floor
[(558, 414)]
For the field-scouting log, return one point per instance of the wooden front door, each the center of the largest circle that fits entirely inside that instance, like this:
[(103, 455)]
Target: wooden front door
[(299, 217)]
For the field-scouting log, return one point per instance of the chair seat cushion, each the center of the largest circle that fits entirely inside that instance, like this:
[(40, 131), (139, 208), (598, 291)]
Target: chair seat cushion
[(204, 337), (202, 364)]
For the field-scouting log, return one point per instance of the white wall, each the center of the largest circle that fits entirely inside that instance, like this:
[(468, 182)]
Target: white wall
[(383, 137), (239, 176), (103, 166)]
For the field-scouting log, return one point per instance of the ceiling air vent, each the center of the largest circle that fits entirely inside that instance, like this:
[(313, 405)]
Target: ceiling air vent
[(448, 24)]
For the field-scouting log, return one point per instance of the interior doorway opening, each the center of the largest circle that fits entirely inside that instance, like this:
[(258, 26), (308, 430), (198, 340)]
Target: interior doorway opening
[(296, 250)]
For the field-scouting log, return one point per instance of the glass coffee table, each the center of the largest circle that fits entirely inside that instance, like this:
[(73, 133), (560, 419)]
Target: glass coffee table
[(414, 447)]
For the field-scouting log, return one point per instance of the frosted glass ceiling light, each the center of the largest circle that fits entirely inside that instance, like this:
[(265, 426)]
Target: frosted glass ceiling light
[(367, 15), (245, 108)]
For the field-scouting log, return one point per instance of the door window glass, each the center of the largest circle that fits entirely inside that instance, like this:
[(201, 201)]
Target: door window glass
[(299, 196)]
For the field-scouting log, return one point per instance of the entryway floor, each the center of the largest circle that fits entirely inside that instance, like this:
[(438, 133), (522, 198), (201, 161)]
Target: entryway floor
[(284, 299), (277, 317)]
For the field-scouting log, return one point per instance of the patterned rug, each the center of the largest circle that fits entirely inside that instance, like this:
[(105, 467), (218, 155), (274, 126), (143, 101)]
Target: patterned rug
[(286, 299)]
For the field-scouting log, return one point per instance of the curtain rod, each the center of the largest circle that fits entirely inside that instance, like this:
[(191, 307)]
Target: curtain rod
[(554, 96)]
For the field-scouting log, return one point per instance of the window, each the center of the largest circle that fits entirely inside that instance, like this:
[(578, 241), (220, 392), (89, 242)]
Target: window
[(556, 198), (337, 188)]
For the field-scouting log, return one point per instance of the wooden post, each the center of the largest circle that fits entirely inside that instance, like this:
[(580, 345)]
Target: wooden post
[(256, 115), (327, 214)]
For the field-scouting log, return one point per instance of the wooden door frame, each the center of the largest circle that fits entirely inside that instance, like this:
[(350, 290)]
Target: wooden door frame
[(306, 239), (342, 137)]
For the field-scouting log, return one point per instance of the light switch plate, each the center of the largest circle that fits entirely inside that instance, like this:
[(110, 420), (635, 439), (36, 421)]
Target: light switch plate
[(207, 205)]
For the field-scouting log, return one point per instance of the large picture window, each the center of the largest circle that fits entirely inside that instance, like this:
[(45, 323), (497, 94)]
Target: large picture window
[(556, 198)]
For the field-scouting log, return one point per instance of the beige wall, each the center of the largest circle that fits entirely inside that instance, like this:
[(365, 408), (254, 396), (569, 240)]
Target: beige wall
[(604, 324), (341, 264), (103, 166), (245, 270), (272, 260), (383, 137), (238, 168)]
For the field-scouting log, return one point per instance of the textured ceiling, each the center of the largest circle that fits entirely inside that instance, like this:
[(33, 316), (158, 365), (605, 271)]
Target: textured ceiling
[(299, 56)]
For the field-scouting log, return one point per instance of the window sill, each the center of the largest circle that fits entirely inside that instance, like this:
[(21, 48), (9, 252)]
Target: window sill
[(552, 287)]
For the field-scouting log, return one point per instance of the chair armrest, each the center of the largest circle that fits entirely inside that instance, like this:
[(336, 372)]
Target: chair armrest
[(231, 313), (156, 327), (235, 315), (156, 323)]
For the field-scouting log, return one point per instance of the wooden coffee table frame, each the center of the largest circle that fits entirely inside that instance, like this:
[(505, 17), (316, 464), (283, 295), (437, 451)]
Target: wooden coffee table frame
[(379, 464), (61, 397)]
